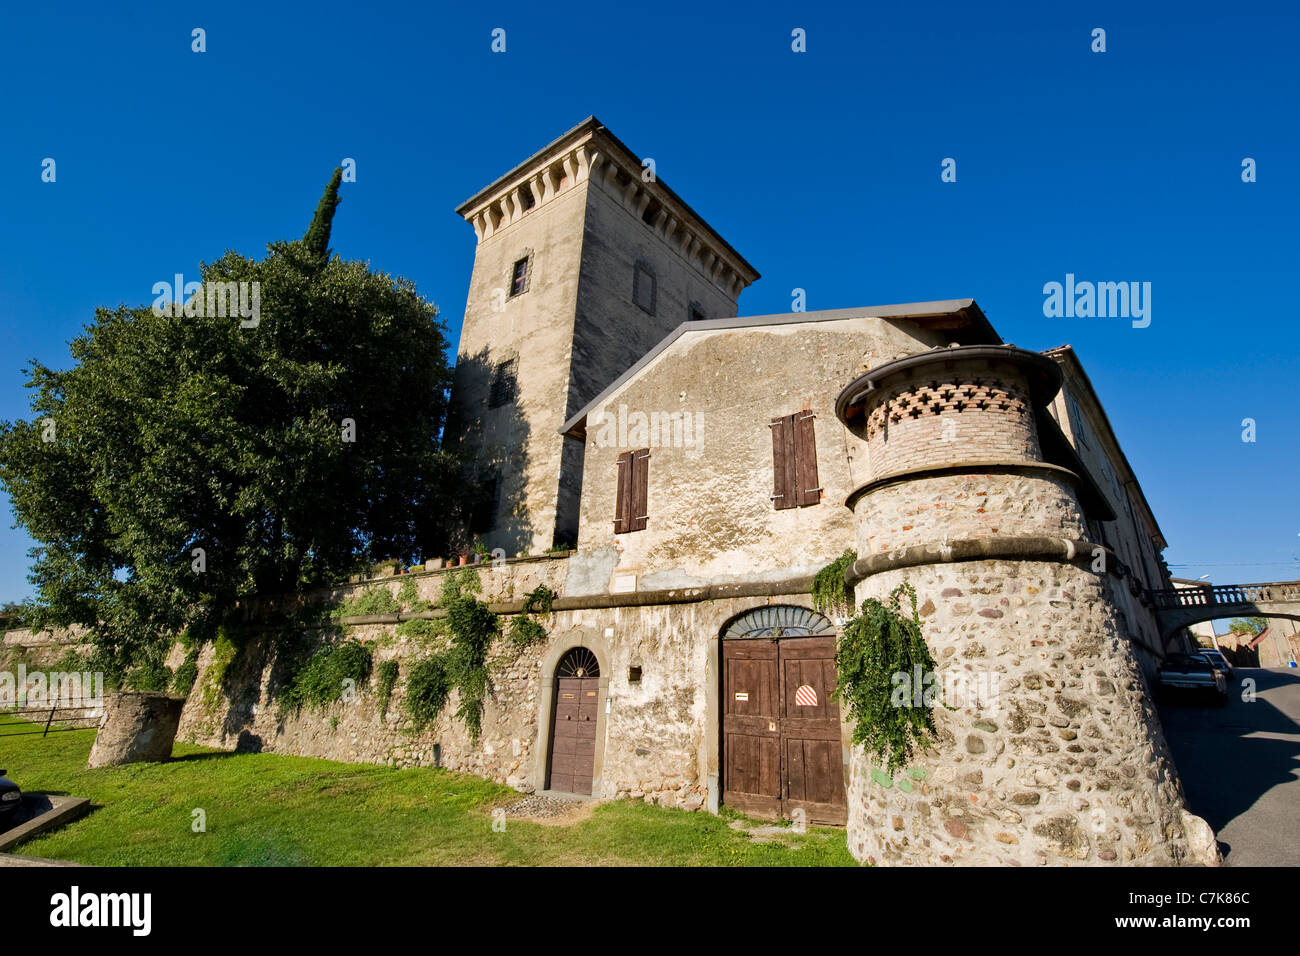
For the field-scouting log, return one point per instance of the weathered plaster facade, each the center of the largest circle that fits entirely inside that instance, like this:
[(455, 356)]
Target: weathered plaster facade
[(710, 474)]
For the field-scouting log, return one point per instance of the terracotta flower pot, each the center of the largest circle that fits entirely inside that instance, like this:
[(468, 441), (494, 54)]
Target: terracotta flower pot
[(463, 560)]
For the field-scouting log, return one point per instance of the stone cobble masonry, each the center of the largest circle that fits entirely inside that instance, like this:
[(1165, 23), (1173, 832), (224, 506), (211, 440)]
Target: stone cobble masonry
[(1057, 758), (1049, 750), (931, 509)]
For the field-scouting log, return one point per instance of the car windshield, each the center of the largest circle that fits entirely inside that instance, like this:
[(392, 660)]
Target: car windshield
[(1183, 662)]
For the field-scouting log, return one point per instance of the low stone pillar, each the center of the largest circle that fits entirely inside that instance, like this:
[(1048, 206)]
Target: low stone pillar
[(136, 727)]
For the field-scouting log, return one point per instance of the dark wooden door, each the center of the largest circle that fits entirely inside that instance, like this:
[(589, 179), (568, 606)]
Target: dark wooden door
[(810, 730), (751, 739), (781, 729), (573, 739)]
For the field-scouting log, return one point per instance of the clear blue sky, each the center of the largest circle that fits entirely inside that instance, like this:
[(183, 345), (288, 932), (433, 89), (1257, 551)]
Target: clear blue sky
[(822, 168)]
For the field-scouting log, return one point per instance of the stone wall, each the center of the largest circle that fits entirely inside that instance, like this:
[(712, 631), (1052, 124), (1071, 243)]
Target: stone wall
[(949, 507), (244, 710), (1054, 755), (657, 737), (1047, 748), (39, 648)]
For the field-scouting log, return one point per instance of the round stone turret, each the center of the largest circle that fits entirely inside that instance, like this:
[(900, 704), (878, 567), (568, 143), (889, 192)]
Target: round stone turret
[(1048, 749), (933, 421)]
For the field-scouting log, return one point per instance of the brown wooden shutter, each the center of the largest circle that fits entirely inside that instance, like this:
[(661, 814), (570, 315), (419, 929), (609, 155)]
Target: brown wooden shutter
[(623, 498), (810, 492), (640, 489), (784, 484)]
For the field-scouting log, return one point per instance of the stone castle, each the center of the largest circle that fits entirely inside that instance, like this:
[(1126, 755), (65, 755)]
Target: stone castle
[(678, 475)]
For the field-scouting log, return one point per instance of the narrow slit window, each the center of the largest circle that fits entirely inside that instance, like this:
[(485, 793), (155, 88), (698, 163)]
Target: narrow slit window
[(519, 277), (643, 287)]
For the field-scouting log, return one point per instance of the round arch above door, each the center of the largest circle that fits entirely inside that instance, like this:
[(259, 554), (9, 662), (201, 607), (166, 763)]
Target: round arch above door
[(575, 720), (778, 620), (782, 751), (578, 662)]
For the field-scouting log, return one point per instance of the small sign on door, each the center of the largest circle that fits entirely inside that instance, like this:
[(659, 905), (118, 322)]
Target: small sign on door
[(742, 695)]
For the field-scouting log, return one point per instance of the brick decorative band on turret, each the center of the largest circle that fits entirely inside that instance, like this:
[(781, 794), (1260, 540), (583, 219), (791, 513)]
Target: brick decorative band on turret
[(1043, 375), (935, 398), (952, 404)]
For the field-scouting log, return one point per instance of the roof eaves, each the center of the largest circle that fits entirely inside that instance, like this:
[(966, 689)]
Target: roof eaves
[(1067, 352), (982, 329)]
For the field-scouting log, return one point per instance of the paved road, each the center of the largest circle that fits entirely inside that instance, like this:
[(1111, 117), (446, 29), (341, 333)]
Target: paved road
[(1241, 766)]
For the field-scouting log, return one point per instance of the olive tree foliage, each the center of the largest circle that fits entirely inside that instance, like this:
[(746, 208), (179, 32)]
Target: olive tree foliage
[(182, 464)]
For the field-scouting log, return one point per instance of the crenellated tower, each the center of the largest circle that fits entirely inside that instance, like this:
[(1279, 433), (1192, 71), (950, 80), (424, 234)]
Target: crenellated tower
[(585, 260)]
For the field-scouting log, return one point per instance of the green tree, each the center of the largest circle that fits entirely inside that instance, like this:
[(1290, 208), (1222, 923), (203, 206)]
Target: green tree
[(1248, 625), (172, 433), (14, 614)]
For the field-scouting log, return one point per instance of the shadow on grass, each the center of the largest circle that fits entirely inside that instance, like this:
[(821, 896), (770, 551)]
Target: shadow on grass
[(187, 758)]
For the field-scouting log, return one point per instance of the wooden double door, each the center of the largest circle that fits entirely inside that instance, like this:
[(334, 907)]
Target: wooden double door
[(781, 747), (573, 741)]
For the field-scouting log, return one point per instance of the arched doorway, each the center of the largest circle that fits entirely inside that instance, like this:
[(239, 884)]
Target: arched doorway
[(781, 735), (574, 717)]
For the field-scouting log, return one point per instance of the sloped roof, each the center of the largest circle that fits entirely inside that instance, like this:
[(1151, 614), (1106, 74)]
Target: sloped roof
[(1066, 355), (960, 318)]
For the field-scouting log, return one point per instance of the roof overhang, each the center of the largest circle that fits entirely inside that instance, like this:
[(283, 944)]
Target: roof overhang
[(961, 320)]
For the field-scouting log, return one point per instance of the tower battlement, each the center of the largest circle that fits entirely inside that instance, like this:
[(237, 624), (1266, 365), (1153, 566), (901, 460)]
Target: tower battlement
[(584, 261)]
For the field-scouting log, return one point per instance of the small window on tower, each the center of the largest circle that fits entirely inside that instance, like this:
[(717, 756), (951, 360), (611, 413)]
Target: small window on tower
[(697, 312), (643, 287), (504, 383), (519, 277)]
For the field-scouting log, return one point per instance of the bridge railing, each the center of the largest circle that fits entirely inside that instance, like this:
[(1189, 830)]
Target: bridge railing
[(1221, 594)]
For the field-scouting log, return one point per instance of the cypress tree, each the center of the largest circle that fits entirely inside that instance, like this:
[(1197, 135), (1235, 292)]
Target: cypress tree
[(317, 237)]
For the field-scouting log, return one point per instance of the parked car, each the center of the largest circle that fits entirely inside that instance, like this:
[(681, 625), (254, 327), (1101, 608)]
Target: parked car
[(1217, 658), (11, 798), (1185, 674)]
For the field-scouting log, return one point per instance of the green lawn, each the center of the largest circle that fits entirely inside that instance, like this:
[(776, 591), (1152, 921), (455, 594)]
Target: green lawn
[(270, 809)]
